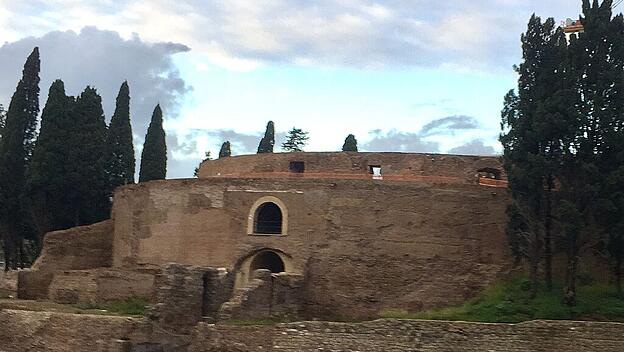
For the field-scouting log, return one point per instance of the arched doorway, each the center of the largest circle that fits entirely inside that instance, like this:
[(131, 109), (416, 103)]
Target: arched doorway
[(267, 260), (273, 260), (268, 219)]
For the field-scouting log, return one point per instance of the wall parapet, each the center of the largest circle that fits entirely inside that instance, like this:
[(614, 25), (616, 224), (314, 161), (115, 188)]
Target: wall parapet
[(414, 167)]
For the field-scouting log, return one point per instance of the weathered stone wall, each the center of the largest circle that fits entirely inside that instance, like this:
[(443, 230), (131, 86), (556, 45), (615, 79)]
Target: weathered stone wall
[(8, 283), (268, 296), (179, 297), (61, 332), (83, 247), (344, 164), (100, 285), (407, 335), (78, 248), (363, 245)]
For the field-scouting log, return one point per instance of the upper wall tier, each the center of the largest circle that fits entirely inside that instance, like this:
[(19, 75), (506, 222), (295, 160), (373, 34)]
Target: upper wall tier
[(391, 166)]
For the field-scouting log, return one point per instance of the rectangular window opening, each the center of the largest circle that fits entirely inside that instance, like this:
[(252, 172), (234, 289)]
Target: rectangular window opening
[(375, 170), (297, 167)]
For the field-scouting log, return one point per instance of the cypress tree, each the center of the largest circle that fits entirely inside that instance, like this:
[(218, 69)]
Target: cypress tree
[(535, 125), (268, 141), (591, 186), (47, 175), (119, 140), (350, 144), (87, 160), (18, 139), (612, 164), (225, 150), (154, 154)]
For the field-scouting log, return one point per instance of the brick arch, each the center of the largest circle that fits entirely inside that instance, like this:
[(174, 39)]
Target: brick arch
[(258, 206), (244, 265)]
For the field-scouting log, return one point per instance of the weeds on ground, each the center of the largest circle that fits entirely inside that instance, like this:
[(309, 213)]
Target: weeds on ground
[(131, 306), (509, 302)]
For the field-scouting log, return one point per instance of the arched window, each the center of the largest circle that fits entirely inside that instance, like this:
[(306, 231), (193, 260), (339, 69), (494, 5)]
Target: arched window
[(268, 219), (267, 260), (268, 216)]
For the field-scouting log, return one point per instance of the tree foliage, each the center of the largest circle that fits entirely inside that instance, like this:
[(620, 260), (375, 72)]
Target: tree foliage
[(154, 154), (268, 141), (47, 178), (350, 144), (225, 150), (16, 146), (295, 140), (119, 141), (531, 138), (206, 157), (87, 160), (563, 136)]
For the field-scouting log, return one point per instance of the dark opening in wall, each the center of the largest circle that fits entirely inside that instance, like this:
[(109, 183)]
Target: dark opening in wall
[(297, 167), (268, 219), (489, 172), (374, 170), (267, 260)]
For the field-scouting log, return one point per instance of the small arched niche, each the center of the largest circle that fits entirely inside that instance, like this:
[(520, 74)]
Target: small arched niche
[(268, 216), (267, 260), (270, 259)]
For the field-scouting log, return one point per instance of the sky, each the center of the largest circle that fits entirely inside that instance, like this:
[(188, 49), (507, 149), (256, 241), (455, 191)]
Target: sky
[(401, 75)]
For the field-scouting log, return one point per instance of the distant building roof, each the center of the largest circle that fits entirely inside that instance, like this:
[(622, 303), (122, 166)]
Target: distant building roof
[(572, 26)]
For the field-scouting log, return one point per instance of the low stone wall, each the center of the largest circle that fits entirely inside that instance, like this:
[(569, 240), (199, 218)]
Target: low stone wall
[(410, 335), (78, 248), (8, 282), (266, 296), (100, 285), (62, 332), (179, 297)]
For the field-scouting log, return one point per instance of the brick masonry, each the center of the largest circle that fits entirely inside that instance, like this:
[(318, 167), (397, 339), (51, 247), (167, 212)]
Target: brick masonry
[(409, 335), (60, 332)]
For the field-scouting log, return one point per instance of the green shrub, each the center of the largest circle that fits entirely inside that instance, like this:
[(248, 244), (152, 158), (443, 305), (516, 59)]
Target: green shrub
[(509, 302)]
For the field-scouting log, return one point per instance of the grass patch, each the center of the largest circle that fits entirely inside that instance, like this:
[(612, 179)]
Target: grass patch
[(509, 302), (132, 306)]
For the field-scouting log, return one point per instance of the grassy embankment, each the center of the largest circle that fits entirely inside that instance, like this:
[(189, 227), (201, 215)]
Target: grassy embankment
[(135, 306), (509, 302)]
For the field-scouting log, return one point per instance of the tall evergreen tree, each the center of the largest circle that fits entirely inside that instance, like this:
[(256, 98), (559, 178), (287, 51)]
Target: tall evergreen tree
[(47, 176), (119, 140), (154, 155), (225, 150), (593, 161), (15, 150), (532, 139), (295, 141), (87, 160), (268, 141), (350, 144)]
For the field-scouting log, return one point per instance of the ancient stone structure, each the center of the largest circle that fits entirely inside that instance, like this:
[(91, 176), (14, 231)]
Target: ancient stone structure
[(60, 332), (341, 235), (319, 236)]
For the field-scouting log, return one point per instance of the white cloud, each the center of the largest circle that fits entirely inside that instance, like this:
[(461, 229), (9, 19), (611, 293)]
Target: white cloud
[(243, 34)]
